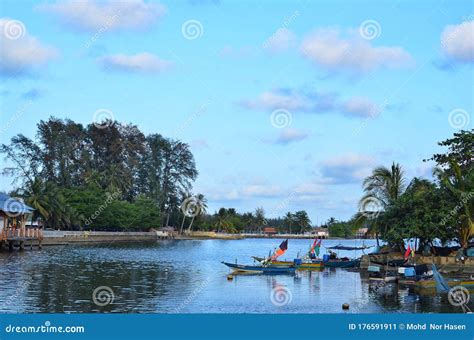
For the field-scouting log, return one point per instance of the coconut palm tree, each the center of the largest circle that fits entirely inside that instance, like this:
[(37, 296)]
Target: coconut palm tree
[(222, 222), (37, 197), (200, 208), (302, 219), (260, 218), (289, 220), (461, 185), (383, 187)]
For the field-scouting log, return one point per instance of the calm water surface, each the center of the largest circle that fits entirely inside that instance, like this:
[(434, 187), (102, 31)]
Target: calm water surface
[(187, 277)]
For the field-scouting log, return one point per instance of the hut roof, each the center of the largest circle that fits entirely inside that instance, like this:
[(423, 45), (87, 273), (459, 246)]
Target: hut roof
[(12, 205)]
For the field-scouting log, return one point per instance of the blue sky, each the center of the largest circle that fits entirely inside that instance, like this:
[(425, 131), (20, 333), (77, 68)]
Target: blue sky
[(287, 105)]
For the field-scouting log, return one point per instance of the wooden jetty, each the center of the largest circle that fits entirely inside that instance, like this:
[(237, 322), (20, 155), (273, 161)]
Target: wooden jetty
[(13, 231)]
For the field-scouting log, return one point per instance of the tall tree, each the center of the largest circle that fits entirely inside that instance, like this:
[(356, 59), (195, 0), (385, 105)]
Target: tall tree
[(260, 218), (382, 188), (289, 220)]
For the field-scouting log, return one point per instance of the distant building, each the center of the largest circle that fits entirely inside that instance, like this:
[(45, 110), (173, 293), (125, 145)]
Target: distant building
[(269, 231), (362, 233), (320, 232)]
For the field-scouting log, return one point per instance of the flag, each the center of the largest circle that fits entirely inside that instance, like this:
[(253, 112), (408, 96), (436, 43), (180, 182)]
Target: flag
[(317, 248), (407, 253), (281, 250)]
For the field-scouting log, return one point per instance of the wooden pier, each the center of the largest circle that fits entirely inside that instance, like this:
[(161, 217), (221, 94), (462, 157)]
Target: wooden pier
[(21, 238)]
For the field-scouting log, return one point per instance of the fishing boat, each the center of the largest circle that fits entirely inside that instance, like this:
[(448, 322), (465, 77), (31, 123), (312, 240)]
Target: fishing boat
[(431, 284), (342, 263), (308, 262), (261, 269), (301, 264)]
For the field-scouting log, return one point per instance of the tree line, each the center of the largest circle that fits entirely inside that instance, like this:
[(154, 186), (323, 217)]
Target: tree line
[(396, 209), (70, 171)]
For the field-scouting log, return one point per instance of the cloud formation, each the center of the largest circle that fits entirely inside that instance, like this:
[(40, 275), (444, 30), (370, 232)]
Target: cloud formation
[(290, 135), (91, 15), (312, 102), (140, 63), (348, 168), (328, 49), (281, 40), (457, 42), (21, 53)]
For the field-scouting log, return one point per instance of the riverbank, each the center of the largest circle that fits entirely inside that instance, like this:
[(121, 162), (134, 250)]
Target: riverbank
[(61, 237)]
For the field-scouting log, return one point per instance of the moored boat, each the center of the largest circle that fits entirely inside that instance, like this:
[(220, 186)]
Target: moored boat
[(302, 264), (342, 263), (431, 284), (242, 268)]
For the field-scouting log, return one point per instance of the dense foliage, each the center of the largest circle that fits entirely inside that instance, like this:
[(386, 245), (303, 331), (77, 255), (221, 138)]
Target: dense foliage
[(428, 211), (70, 172)]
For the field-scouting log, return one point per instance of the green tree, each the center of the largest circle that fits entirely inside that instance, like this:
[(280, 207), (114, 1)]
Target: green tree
[(302, 220), (289, 220), (260, 218)]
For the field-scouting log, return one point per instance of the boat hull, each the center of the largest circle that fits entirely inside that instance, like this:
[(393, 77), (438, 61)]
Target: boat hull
[(431, 284), (342, 264), (241, 268)]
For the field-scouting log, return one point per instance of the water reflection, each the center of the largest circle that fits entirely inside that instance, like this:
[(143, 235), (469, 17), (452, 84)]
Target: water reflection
[(187, 277)]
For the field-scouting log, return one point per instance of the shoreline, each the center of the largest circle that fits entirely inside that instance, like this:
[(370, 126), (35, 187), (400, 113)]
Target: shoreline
[(60, 237)]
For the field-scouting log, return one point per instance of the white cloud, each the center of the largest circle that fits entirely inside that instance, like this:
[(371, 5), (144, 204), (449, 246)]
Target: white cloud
[(289, 135), (142, 62), (347, 168), (21, 53), (313, 102), (327, 49), (360, 107), (281, 40), (91, 15), (457, 42), (291, 100)]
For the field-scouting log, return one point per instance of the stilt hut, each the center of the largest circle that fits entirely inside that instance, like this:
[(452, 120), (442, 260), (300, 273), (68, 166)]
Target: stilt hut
[(13, 216)]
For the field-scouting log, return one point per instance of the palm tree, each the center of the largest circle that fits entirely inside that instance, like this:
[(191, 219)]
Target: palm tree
[(221, 220), (289, 219), (461, 186), (36, 197), (260, 218), (383, 187), (200, 209), (303, 220)]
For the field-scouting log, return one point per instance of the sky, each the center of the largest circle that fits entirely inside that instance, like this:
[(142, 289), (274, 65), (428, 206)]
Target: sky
[(287, 105)]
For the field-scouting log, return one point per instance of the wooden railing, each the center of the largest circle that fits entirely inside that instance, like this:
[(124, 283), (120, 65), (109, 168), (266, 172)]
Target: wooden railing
[(9, 233)]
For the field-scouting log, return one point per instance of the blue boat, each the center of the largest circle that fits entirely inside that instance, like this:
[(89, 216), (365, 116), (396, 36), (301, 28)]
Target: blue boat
[(246, 269)]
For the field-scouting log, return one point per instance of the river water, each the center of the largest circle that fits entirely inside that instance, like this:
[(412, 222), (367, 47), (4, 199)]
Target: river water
[(187, 277)]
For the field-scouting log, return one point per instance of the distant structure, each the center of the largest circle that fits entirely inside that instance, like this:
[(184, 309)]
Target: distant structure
[(13, 219), (269, 231), (362, 233), (320, 232)]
